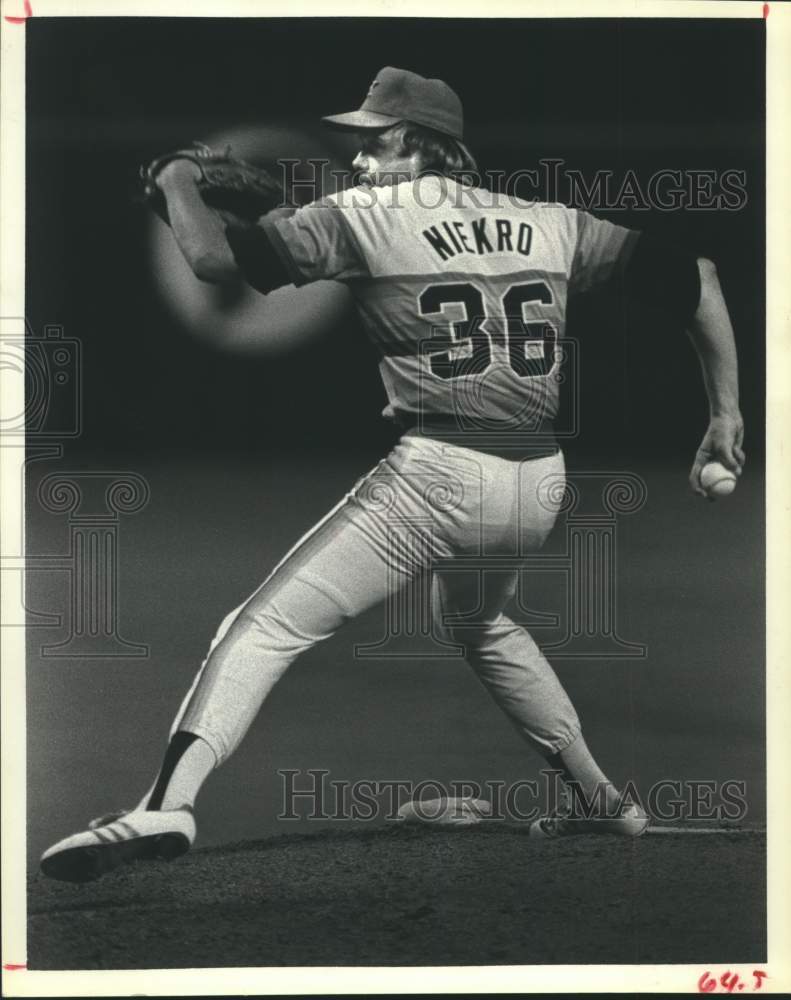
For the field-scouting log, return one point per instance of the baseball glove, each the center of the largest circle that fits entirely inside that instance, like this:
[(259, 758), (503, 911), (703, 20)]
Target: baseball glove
[(239, 191)]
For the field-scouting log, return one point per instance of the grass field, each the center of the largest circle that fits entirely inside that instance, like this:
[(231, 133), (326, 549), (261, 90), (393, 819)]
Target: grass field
[(333, 892)]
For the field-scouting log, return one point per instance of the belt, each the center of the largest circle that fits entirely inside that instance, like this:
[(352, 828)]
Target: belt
[(513, 444)]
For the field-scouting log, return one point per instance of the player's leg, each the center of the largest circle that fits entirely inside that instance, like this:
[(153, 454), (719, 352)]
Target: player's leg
[(469, 602), (340, 572), (516, 674), (345, 565)]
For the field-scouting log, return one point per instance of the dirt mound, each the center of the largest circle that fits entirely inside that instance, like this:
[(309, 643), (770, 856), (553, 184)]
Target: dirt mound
[(414, 896)]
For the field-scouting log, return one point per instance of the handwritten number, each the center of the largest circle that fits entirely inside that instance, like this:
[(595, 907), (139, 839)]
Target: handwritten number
[(728, 981)]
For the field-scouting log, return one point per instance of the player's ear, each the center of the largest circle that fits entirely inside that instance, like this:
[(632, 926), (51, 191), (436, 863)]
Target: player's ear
[(399, 135)]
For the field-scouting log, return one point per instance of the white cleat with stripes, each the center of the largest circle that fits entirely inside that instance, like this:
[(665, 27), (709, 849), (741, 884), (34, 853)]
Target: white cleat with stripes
[(631, 822), (117, 839)]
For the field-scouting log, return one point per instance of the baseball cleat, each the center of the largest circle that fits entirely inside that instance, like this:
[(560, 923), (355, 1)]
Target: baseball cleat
[(117, 839), (632, 822)]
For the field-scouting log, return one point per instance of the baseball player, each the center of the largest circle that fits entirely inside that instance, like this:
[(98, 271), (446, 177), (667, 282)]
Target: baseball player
[(464, 294)]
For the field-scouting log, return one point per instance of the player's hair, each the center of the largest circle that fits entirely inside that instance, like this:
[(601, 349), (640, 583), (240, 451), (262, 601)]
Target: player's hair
[(440, 154)]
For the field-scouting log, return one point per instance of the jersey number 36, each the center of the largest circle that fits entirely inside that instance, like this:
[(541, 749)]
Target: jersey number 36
[(464, 347)]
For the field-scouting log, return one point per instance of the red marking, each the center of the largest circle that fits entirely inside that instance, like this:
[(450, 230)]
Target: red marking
[(728, 982), (10, 967), (21, 20), (766, 11)]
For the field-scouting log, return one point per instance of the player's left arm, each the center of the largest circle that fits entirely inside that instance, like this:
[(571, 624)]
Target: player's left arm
[(711, 333)]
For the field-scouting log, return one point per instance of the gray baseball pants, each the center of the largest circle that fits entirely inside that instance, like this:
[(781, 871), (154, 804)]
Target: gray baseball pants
[(418, 509)]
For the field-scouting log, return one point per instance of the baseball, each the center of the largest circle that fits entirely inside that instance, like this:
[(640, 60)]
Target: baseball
[(716, 480)]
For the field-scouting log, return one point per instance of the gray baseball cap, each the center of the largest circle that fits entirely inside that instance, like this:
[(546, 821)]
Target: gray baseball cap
[(397, 95)]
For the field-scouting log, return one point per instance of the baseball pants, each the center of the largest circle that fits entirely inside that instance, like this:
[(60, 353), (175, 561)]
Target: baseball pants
[(418, 509)]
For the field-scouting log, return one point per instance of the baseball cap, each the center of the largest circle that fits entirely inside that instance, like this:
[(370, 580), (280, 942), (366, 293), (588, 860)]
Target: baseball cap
[(397, 95)]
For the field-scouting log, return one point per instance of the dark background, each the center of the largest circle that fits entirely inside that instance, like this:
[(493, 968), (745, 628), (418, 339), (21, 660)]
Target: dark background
[(244, 453), (106, 94)]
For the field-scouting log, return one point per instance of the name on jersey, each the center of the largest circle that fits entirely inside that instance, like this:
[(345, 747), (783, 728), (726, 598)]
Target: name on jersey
[(479, 236)]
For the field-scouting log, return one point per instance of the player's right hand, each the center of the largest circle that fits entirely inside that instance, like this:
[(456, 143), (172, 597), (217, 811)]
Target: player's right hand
[(722, 442)]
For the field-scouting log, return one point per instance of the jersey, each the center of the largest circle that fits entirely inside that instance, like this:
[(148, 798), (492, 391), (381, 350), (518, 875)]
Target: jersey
[(462, 291)]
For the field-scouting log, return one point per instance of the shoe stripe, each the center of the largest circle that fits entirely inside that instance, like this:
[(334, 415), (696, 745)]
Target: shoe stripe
[(127, 828), (102, 838)]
